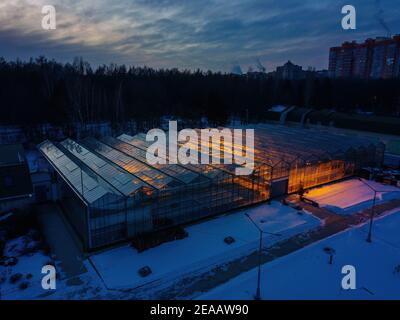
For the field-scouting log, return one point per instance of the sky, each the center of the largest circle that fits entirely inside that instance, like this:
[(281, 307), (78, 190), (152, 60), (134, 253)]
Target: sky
[(189, 34)]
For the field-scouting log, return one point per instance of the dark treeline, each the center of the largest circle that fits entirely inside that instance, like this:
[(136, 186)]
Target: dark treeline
[(44, 90)]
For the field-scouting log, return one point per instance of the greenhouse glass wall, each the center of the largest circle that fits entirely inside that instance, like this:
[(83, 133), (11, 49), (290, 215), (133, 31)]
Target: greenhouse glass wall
[(110, 193)]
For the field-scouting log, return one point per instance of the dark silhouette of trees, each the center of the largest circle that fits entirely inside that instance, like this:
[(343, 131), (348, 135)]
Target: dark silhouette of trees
[(45, 91)]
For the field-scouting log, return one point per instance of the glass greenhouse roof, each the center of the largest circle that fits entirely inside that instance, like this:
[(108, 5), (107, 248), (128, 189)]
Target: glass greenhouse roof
[(274, 142), (86, 185), (142, 171), (121, 180), (95, 168), (139, 141), (173, 170)]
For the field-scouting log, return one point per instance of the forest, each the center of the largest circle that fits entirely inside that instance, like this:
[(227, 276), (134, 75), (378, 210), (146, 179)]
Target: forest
[(46, 91)]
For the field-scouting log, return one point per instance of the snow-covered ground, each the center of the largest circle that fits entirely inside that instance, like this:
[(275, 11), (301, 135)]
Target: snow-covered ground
[(29, 266), (350, 196), (306, 274), (205, 246)]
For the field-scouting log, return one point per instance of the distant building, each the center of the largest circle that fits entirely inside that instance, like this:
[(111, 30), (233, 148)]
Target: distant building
[(340, 60), (290, 71), (374, 59), (11, 134), (15, 180), (256, 75), (322, 73)]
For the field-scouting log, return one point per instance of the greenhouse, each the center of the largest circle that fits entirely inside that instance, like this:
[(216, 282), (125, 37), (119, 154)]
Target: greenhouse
[(110, 193)]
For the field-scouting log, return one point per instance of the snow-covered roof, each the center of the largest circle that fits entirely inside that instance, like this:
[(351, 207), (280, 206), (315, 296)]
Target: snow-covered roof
[(277, 108), (87, 186)]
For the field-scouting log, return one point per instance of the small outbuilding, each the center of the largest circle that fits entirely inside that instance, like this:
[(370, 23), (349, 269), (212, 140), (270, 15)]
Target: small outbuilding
[(15, 180)]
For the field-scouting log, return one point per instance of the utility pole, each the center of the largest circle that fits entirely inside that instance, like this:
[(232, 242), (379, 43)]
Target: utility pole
[(258, 290), (371, 221), (81, 181)]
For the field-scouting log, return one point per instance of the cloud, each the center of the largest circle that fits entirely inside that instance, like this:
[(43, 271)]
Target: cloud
[(207, 34)]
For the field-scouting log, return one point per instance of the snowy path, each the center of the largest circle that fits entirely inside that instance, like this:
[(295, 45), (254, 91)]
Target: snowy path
[(60, 239)]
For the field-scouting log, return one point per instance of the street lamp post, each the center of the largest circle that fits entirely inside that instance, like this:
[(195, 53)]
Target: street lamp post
[(258, 290), (371, 220)]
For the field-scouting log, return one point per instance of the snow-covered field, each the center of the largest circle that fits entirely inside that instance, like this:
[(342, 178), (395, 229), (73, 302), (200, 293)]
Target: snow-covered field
[(306, 274), (350, 196), (29, 266), (205, 246)]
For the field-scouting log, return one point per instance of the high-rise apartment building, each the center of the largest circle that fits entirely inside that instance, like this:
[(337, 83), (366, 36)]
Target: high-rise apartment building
[(375, 58)]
